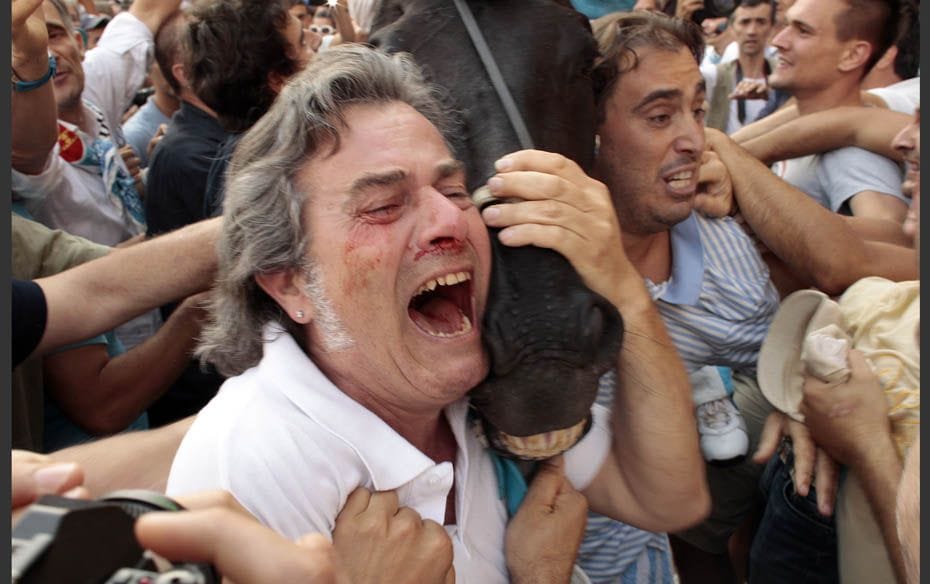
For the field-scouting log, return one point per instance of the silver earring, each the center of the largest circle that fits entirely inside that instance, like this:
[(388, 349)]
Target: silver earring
[(299, 314)]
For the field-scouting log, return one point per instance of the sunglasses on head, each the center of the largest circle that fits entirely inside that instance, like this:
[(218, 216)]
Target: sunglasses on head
[(322, 29)]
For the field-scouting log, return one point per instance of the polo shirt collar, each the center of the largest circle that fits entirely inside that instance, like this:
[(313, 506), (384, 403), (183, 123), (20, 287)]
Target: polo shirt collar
[(684, 285), (391, 460)]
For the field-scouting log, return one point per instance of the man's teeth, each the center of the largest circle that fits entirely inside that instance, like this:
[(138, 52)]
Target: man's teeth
[(464, 327), (447, 280), (680, 180)]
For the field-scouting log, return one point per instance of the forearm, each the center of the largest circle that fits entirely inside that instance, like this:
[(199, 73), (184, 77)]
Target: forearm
[(879, 471), (34, 115), (130, 382), (343, 21), (879, 230), (153, 12), (869, 128), (655, 438), (813, 241), (135, 460), (767, 124), (127, 282)]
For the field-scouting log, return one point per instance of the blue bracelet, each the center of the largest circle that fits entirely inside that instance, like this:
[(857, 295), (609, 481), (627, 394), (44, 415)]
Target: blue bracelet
[(24, 86)]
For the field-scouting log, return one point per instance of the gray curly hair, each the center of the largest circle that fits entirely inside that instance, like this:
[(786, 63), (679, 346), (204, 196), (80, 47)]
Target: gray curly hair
[(262, 229)]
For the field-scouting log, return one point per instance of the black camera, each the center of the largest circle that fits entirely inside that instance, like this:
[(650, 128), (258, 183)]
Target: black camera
[(92, 542)]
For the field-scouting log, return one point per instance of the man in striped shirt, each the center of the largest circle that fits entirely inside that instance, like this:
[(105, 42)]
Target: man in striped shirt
[(708, 280)]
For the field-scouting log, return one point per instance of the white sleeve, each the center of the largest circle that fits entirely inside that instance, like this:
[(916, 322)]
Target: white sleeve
[(116, 68), (584, 460)]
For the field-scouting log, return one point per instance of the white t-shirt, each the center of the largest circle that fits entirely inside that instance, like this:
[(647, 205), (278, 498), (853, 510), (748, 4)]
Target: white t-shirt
[(903, 96), (64, 196), (291, 447)]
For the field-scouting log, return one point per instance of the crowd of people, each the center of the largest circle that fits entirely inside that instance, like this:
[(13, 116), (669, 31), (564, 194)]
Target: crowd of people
[(247, 273)]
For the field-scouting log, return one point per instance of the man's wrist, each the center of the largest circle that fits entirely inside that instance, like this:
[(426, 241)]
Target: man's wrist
[(29, 65), (877, 449), (27, 76)]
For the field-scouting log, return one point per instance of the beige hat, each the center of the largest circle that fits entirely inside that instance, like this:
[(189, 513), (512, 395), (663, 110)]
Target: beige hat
[(807, 337)]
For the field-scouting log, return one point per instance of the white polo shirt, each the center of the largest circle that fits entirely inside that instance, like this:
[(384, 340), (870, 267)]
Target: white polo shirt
[(291, 447)]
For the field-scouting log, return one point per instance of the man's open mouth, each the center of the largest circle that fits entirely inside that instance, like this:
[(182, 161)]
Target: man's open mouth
[(442, 307)]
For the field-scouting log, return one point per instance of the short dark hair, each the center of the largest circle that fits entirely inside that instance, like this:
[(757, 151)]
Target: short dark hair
[(620, 34), (169, 46), (907, 61), (873, 21), (753, 4), (232, 47)]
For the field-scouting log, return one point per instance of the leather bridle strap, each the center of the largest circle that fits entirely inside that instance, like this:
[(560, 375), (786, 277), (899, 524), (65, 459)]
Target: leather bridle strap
[(497, 80)]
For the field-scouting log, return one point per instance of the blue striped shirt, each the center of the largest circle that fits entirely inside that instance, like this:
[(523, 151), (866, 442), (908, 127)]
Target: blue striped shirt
[(717, 306), (719, 301)]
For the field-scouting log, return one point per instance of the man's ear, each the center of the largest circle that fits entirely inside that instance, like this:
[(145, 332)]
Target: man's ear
[(177, 69), (286, 288), (855, 55), (276, 82)]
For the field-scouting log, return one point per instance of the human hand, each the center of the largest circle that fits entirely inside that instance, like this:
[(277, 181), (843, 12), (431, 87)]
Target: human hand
[(30, 39), (714, 196), (750, 89), (845, 418), (195, 307), (685, 9), (218, 530), (809, 459), (159, 134), (542, 539), (562, 209), (34, 475), (376, 540), (134, 166)]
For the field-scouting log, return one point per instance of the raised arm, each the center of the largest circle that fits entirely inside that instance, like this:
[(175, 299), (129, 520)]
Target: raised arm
[(654, 477), (153, 12), (343, 21), (127, 282), (820, 246), (33, 113), (869, 128)]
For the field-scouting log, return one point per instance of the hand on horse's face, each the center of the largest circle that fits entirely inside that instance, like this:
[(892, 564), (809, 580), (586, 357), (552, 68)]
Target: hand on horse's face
[(563, 209)]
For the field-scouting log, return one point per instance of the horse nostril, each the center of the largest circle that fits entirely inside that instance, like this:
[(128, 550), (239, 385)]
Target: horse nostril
[(593, 329)]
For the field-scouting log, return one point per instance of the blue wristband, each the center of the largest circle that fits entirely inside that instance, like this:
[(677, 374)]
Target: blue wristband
[(24, 86)]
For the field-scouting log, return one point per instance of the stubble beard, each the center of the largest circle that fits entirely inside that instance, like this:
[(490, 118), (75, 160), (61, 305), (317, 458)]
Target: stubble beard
[(332, 332)]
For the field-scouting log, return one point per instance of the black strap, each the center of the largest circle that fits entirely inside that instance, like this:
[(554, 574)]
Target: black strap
[(497, 80), (741, 103)]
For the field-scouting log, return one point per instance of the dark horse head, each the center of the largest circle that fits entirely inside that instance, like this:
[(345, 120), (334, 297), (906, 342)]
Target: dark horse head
[(549, 337)]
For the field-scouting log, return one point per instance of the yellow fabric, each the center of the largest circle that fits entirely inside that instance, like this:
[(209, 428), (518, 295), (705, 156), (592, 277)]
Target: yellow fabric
[(883, 319)]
